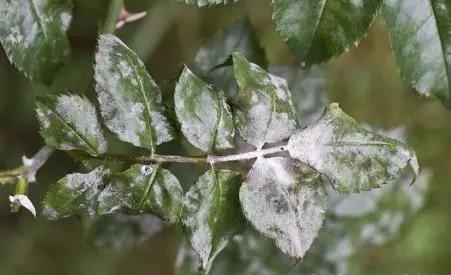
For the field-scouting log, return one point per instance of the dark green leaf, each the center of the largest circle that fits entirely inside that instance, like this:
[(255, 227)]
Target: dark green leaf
[(265, 113), (351, 157), (143, 188), (309, 95), (69, 122), (212, 213), (322, 29), (33, 34), (75, 194), (213, 58), (202, 3), (420, 34), (203, 113), (130, 101), (118, 231), (284, 200)]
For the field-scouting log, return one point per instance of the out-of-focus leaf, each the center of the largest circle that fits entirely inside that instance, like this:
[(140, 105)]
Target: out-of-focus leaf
[(239, 37), (203, 113), (351, 157), (265, 112), (284, 200), (386, 209), (69, 122), (420, 34), (213, 58), (323, 29), (130, 101), (143, 188), (75, 194), (308, 92), (202, 3), (212, 213), (118, 231), (33, 34)]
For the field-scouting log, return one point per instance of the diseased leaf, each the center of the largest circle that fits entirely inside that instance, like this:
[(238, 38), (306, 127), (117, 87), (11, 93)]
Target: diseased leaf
[(351, 157), (143, 188), (130, 101), (118, 231), (69, 122), (75, 194), (265, 113), (420, 34), (203, 113), (212, 213), (33, 34), (323, 29), (202, 3), (377, 216), (284, 200), (309, 95)]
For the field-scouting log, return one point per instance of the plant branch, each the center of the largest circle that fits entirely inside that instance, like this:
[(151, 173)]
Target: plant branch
[(211, 159), (111, 18), (29, 168)]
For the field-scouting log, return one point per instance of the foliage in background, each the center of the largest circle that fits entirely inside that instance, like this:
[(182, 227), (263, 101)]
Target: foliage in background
[(262, 105)]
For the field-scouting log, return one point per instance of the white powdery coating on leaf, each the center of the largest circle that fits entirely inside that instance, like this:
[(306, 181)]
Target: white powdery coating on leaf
[(199, 223), (130, 101), (81, 113), (283, 205), (265, 110), (353, 158)]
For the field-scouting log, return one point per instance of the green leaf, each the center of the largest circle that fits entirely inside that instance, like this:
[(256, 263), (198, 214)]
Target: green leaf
[(323, 29), (284, 200), (33, 34), (420, 34), (75, 194), (202, 3), (308, 92), (130, 101), (265, 113), (118, 231), (143, 188), (204, 115), (214, 59), (212, 213), (218, 50), (69, 122), (351, 157)]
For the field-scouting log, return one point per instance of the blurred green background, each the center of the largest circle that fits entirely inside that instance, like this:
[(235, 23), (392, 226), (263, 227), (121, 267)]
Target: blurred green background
[(365, 82)]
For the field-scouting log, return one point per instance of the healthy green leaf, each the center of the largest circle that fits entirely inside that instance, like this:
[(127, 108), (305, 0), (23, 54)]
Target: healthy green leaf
[(323, 29), (265, 113), (33, 34), (351, 157), (75, 194), (204, 115), (69, 122), (218, 50), (202, 3), (118, 231), (130, 101), (212, 213), (420, 34), (284, 200), (143, 188)]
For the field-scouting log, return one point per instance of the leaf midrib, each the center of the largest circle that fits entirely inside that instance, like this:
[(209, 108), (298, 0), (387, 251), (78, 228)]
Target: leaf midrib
[(92, 147), (35, 12)]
